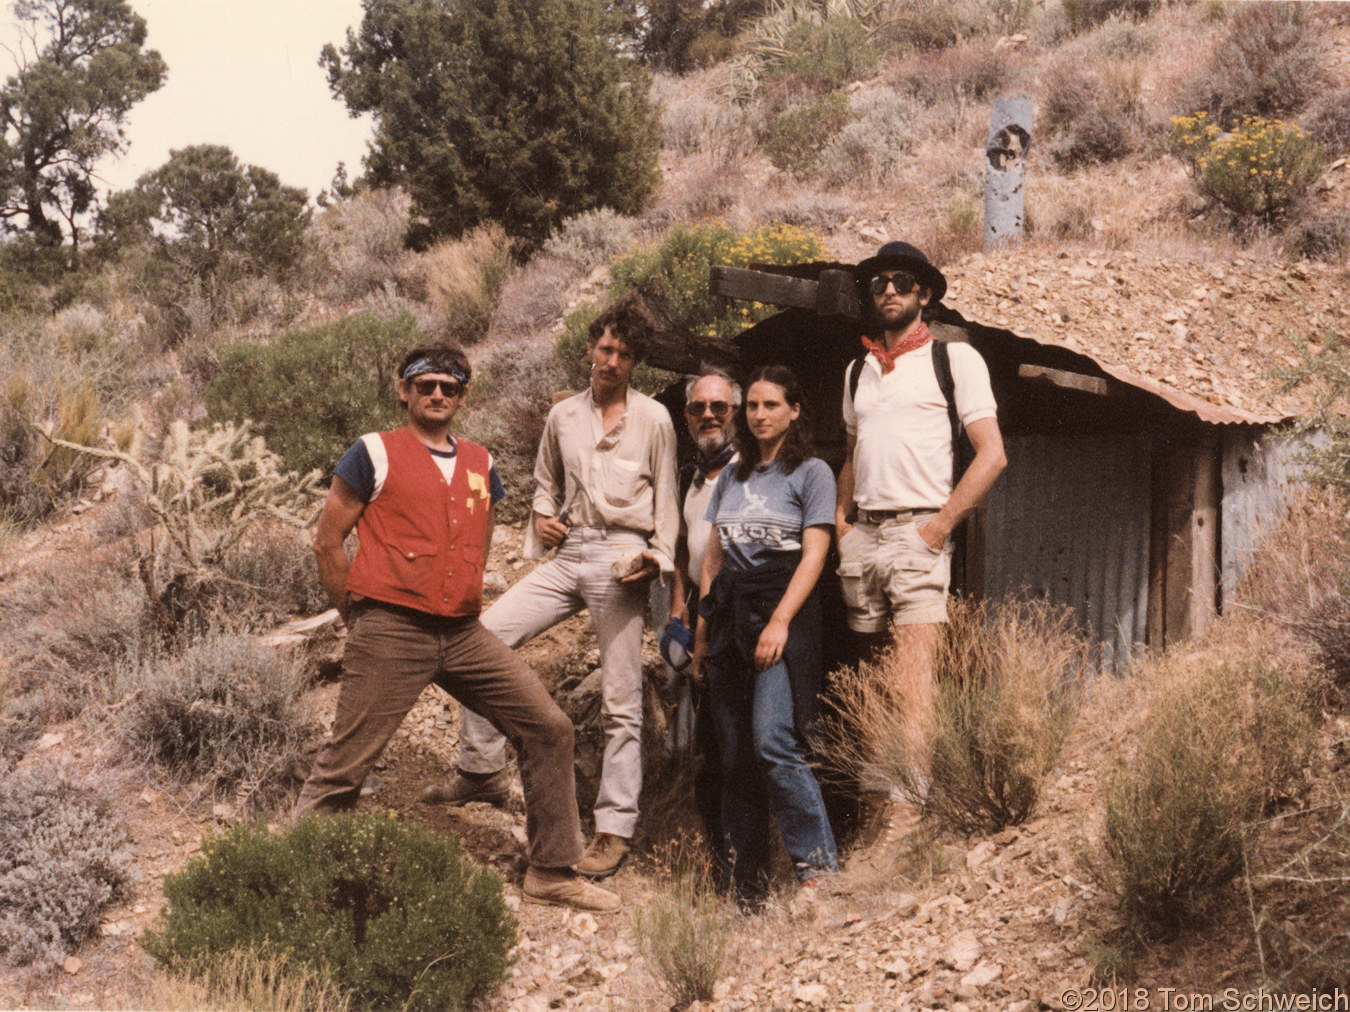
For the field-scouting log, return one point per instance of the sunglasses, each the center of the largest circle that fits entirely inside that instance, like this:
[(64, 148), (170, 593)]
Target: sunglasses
[(695, 409), (427, 387), (904, 283)]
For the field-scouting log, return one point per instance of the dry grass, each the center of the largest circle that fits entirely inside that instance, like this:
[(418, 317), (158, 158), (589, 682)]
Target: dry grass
[(463, 279), (240, 979), (1007, 687)]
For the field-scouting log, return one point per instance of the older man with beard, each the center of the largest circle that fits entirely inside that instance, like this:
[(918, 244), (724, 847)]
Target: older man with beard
[(711, 401)]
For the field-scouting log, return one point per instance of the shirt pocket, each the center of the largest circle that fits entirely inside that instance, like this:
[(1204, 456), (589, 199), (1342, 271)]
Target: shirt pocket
[(412, 562), (623, 481)]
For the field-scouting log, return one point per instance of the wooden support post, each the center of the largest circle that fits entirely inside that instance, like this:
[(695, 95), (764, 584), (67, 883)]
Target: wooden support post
[(1184, 550)]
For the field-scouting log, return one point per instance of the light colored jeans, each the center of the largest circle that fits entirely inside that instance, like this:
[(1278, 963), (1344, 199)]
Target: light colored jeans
[(579, 577)]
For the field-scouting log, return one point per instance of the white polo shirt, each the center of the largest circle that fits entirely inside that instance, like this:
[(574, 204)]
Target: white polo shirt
[(903, 455)]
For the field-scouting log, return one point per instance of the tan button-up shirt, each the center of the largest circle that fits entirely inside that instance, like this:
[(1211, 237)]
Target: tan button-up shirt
[(623, 478)]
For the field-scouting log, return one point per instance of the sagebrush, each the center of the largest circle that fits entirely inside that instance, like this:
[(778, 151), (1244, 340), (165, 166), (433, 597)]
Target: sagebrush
[(64, 856), (222, 713)]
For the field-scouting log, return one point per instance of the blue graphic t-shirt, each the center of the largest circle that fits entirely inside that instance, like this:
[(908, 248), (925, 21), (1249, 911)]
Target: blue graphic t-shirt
[(766, 513)]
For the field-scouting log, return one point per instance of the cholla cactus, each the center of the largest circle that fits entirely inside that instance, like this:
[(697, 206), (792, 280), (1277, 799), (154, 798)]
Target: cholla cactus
[(210, 485)]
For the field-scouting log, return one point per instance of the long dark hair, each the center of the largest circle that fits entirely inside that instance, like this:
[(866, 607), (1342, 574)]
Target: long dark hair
[(796, 444)]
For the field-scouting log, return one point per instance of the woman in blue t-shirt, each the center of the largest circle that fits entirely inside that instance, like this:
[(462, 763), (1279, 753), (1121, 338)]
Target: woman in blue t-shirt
[(758, 636)]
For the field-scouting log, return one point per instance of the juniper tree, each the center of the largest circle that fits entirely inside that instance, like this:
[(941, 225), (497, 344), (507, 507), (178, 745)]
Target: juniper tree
[(80, 67), (526, 113)]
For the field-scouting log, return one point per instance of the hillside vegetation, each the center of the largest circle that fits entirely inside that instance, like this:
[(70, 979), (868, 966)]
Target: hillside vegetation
[(216, 340)]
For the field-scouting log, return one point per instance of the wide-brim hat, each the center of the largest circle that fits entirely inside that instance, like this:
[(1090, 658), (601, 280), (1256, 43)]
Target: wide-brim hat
[(905, 257)]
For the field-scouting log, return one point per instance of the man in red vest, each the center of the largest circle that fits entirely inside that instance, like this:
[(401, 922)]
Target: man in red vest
[(421, 502)]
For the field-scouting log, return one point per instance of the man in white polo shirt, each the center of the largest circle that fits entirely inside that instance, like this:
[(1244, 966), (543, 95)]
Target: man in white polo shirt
[(900, 496)]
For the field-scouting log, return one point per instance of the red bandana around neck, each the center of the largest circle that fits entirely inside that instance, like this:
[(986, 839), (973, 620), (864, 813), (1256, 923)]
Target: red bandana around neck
[(918, 337)]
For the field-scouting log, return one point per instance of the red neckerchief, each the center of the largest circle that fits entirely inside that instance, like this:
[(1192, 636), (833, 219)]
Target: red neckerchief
[(918, 337)]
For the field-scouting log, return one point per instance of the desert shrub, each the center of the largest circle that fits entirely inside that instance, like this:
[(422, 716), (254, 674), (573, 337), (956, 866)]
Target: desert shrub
[(593, 238), (709, 123), (508, 402), (1007, 683), (463, 278), (393, 912), (1257, 172), (973, 72), (797, 135), (1091, 115), (71, 375), (930, 24), (270, 575), (812, 210), (1324, 237), (1312, 600), (683, 932), (867, 148), (826, 54), (312, 392), (1328, 122), (222, 712), (673, 274), (360, 242), (240, 979), (1267, 64), (533, 298), (1217, 747), (1083, 15), (64, 657), (63, 858)]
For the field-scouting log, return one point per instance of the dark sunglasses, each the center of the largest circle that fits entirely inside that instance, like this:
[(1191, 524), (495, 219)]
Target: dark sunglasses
[(904, 283), (695, 409), (427, 387)]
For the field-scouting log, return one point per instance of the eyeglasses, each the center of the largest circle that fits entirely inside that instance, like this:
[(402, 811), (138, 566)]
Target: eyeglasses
[(695, 409), (427, 387), (904, 283)]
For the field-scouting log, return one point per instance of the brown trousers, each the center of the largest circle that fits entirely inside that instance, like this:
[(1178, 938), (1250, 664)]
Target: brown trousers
[(392, 654)]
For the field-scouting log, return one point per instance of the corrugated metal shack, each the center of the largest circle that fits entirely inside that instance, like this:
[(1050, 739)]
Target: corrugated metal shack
[(1130, 496)]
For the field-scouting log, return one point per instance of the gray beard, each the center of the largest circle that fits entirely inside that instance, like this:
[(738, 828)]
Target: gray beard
[(710, 447)]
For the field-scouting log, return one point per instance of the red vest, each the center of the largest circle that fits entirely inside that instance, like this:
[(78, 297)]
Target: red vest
[(422, 537)]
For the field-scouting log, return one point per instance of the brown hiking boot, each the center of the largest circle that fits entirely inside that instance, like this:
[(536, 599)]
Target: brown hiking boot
[(567, 889), (492, 788), (603, 857)]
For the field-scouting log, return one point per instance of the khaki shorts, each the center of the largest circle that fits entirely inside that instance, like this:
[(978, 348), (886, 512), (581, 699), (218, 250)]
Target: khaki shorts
[(888, 573)]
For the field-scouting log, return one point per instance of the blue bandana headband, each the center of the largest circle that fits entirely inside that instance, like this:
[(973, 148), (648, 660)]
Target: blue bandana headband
[(424, 365)]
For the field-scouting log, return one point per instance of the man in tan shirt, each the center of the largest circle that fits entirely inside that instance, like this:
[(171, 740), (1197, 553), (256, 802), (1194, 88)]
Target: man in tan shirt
[(605, 498)]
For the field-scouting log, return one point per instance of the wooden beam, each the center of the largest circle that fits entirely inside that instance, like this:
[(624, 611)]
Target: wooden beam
[(686, 353), (833, 293), (1061, 378)]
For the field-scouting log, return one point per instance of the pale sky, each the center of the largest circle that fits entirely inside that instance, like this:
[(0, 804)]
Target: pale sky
[(245, 73)]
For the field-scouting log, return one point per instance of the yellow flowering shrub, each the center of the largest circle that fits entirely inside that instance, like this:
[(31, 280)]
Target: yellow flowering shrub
[(1257, 171), (673, 277)]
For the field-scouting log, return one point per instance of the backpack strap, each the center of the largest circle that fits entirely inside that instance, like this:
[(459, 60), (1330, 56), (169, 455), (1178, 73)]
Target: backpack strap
[(942, 366), (855, 369)]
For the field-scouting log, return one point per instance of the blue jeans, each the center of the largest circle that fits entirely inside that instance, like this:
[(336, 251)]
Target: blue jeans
[(765, 772)]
